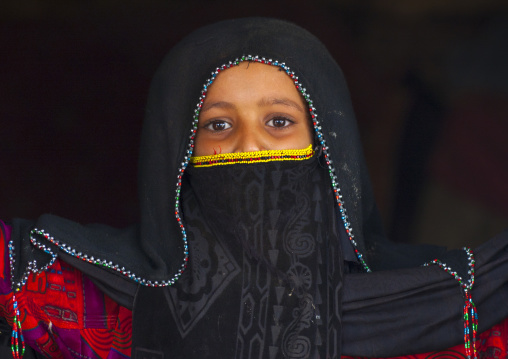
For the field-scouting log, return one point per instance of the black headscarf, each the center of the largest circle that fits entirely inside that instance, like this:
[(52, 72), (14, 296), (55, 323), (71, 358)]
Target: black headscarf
[(399, 310)]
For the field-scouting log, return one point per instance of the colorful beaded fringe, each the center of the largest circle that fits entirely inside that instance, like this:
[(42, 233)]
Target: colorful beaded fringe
[(469, 314), (17, 340), (252, 157)]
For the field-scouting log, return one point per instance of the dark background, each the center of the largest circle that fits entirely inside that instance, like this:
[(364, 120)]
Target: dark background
[(428, 79)]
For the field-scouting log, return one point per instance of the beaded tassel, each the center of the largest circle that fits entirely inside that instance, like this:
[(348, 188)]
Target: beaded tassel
[(470, 314), (17, 340), (470, 325)]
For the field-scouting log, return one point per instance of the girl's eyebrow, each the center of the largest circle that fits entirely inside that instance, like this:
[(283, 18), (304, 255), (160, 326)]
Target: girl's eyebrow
[(267, 101), (219, 104)]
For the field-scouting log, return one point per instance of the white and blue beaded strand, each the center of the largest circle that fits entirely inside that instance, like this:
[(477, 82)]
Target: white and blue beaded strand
[(32, 266)]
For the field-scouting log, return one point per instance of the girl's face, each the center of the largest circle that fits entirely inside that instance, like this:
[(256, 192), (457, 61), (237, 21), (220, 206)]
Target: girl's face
[(252, 107)]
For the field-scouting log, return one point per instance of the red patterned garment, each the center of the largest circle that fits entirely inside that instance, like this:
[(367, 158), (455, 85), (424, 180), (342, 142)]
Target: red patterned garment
[(64, 315)]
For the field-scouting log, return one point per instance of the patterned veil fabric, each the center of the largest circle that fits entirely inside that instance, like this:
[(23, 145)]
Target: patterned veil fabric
[(266, 270)]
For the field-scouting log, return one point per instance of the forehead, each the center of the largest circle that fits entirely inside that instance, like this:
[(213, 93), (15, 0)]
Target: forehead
[(253, 76)]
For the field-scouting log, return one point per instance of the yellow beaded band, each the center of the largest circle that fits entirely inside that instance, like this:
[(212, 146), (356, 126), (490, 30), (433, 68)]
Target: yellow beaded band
[(252, 157)]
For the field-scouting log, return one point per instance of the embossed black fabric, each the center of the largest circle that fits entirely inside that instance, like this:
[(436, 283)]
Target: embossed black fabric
[(265, 276)]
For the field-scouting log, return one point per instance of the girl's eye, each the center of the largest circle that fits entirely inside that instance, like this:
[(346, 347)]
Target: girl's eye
[(217, 125), (279, 122)]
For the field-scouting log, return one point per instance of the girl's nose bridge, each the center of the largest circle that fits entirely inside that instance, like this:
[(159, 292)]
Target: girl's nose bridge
[(251, 137)]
